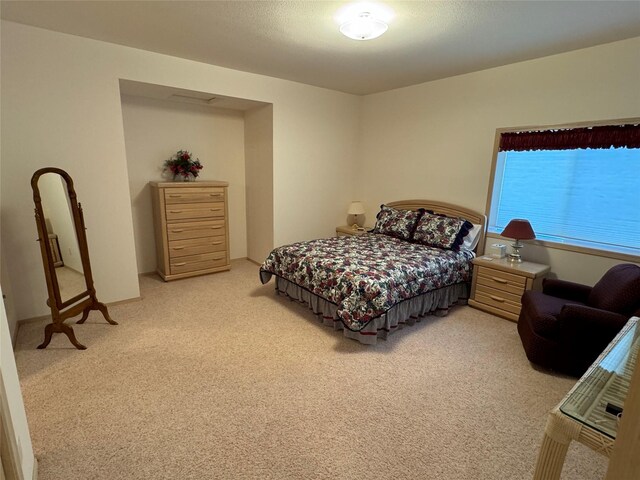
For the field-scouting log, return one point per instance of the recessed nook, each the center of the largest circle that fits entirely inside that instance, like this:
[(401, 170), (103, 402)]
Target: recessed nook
[(231, 136)]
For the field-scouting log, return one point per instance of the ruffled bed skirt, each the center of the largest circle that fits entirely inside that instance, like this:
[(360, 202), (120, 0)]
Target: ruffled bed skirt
[(408, 312)]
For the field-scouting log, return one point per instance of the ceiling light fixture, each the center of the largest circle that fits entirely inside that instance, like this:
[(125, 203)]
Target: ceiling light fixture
[(364, 26)]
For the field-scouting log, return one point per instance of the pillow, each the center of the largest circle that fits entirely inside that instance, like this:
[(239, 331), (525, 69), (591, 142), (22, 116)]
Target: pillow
[(396, 223), (441, 231), (471, 239)]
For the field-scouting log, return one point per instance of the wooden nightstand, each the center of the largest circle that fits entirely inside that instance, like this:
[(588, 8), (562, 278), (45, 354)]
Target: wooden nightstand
[(348, 230), (498, 284)]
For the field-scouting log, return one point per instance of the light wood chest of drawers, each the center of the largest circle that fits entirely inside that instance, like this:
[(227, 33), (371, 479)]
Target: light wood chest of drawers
[(498, 284), (191, 228)]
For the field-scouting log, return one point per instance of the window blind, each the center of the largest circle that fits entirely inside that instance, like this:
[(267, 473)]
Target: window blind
[(588, 197)]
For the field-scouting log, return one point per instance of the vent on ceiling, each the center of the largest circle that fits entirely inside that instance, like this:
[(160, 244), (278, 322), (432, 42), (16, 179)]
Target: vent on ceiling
[(208, 100)]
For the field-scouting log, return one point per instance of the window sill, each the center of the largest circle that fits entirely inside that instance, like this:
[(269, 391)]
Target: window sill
[(572, 248)]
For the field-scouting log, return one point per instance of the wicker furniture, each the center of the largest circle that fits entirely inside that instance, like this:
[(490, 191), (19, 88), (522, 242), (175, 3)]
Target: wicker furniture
[(582, 414), (566, 326), (191, 226), (498, 284)]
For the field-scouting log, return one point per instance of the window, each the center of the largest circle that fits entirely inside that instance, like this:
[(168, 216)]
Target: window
[(577, 186)]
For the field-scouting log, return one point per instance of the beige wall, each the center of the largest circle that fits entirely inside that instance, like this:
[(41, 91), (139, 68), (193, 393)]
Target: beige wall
[(156, 129), (61, 107), (7, 304), (259, 178), (435, 140)]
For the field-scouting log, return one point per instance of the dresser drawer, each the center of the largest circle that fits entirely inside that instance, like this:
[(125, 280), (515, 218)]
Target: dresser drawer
[(188, 211), (503, 281), (194, 246), (193, 263), (193, 195), (183, 231)]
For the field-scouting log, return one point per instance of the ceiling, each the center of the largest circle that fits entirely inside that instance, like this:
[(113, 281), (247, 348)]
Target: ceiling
[(299, 40)]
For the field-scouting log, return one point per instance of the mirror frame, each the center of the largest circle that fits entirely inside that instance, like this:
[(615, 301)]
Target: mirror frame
[(83, 302)]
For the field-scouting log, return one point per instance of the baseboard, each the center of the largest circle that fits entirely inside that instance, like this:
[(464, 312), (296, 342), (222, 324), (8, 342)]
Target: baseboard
[(126, 300), (24, 321), (246, 259), (31, 320), (14, 337)]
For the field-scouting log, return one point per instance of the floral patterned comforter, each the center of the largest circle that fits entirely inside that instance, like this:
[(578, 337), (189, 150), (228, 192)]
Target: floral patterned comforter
[(365, 275)]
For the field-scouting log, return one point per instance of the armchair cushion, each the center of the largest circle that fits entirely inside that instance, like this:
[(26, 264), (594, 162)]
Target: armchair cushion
[(574, 319), (618, 290)]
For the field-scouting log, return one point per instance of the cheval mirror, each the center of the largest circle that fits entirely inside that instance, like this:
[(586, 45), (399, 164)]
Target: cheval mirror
[(65, 254)]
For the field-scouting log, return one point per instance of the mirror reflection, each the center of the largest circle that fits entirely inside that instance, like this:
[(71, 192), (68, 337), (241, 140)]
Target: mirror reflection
[(61, 232)]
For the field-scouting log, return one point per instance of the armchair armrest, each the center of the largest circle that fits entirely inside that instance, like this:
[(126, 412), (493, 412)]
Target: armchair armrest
[(567, 290)]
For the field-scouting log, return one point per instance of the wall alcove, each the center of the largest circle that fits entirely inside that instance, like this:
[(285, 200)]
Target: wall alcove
[(232, 137)]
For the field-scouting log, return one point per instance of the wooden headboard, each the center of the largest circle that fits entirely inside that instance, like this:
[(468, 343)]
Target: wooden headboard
[(450, 210)]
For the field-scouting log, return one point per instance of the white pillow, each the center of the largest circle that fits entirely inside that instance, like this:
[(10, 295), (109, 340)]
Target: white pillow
[(471, 239)]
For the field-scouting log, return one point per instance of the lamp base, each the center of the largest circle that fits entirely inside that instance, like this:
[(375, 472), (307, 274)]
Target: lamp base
[(515, 256)]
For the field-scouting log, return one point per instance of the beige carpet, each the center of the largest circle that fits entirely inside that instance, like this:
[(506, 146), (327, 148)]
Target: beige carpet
[(216, 377)]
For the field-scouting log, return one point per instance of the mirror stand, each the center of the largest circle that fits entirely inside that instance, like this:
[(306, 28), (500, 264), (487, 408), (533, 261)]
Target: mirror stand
[(69, 285)]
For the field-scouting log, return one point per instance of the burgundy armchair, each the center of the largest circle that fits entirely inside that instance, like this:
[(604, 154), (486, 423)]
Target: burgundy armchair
[(566, 326)]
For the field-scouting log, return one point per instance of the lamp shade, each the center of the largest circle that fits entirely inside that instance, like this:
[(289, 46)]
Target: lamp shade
[(520, 229), (356, 208)]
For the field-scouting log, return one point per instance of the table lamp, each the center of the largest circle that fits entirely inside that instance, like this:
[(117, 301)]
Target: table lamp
[(355, 209), (519, 229)]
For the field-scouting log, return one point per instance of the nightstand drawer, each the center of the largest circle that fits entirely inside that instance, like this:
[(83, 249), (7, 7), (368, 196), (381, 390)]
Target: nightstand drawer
[(499, 295), (503, 281), (498, 300)]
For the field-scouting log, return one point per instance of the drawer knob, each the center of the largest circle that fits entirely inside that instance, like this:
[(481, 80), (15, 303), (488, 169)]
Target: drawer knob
[(216, 209), (215, 194), (497, 299), (177, 231), (216, 243), (175, 195), (499, 280), (178, 248), (175, 211), (216, 228), (179, 264)]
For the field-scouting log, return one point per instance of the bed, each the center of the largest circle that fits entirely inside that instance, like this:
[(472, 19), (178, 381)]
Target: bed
[(415, 262)]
